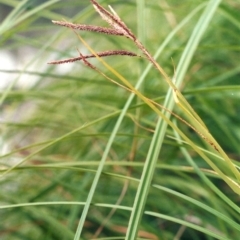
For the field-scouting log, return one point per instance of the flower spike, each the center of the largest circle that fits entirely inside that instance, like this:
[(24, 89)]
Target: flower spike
[(90, 28), (113, 21), (100, 54)]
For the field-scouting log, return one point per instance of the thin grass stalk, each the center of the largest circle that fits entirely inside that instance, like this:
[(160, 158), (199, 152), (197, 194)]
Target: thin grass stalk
[(229, 17), (211, 210), (224, 127), (204, 177), (31, 204), (177, 194), (224, 76), (188, 224), (147, 174)]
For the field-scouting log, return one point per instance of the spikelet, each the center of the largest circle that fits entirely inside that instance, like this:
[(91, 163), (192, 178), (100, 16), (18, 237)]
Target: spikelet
[(100, 54)]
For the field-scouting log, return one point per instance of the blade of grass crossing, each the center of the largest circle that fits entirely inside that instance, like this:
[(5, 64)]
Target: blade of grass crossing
[(54, 141), (147, 174), (161, 127), (188, 224), (205, 178), (201, 205)]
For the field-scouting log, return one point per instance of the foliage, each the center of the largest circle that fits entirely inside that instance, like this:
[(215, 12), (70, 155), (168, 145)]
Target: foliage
[(122, 147)]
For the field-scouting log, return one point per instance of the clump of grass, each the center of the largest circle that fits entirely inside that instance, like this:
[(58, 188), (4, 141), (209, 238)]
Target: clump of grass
[(157, 185)]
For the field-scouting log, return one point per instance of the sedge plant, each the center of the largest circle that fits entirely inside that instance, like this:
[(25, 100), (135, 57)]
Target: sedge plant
[(155, 195)]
